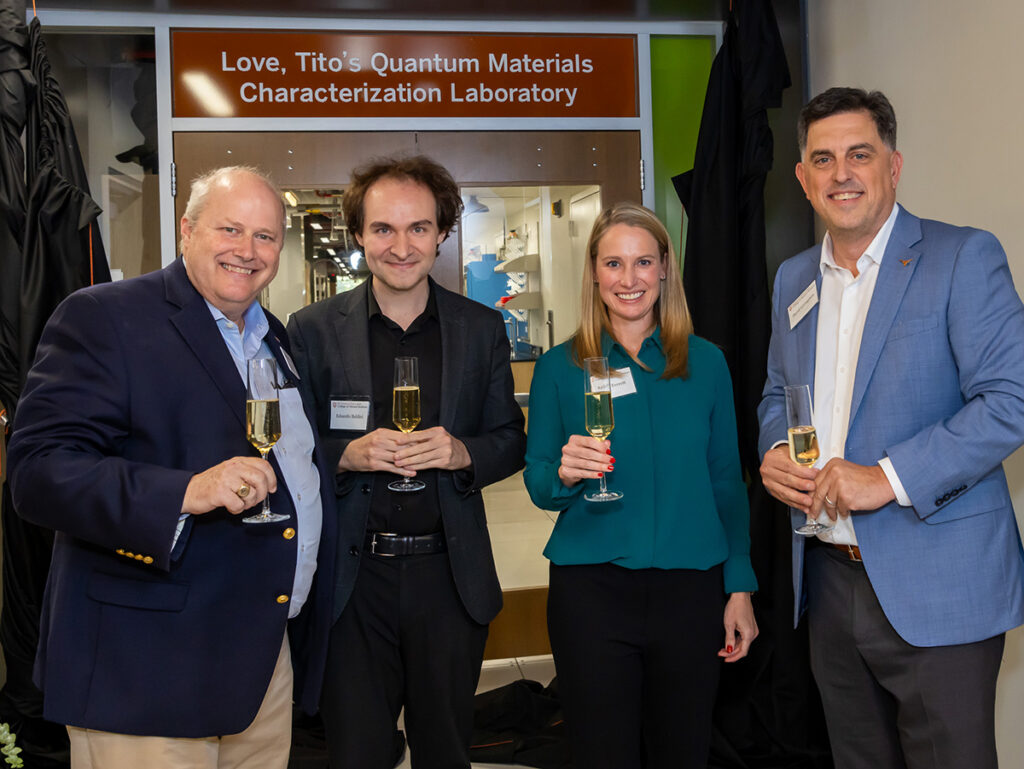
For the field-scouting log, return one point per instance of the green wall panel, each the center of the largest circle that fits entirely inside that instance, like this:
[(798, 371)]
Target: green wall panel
[(680, 67)]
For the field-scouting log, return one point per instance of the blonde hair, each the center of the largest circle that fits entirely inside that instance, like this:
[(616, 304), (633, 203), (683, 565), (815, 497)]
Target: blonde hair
[(670, 310)]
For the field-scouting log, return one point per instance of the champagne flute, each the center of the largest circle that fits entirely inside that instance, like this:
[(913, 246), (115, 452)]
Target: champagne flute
[(803, 442), (597, 399), (405, 410), (263, 421)]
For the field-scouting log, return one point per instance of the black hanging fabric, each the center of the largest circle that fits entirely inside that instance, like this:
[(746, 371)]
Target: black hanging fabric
[(62, 250), (17, 88), (767, 713), (51, 247)]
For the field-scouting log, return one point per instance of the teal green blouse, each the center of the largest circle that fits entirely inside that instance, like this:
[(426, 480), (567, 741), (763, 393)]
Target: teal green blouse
[(676, 463)]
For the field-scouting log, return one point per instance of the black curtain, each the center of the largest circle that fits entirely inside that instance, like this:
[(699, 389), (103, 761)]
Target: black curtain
[(768, 713), (60, 251), (17, 87)]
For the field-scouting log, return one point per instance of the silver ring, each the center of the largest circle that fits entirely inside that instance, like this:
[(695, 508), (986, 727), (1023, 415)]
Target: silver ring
[(829, 502), (243, 491)]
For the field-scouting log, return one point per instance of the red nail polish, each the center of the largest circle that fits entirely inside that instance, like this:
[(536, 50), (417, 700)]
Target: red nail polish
[(610, 468), (612, 460), (600, 475), (728, 649), (609, 451)]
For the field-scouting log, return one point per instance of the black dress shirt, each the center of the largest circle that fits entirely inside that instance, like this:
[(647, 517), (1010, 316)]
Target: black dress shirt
[(405, 512)]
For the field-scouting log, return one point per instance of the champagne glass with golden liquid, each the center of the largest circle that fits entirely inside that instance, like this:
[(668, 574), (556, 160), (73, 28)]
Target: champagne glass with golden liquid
[(405, 410), (597, 399), (263, 421), (803, 442)]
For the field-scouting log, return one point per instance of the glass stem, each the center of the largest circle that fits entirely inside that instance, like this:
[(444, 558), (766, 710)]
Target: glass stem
[(266, 500), (604, 485)]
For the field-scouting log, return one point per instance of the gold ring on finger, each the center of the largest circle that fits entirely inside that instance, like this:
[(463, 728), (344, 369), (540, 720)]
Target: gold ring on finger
[(243, 491)]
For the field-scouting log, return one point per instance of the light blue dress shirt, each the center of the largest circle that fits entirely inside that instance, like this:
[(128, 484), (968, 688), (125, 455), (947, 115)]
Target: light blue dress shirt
[(294, 451)]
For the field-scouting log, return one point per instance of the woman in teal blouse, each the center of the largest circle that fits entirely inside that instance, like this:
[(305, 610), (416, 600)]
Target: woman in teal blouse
[(649, 592)]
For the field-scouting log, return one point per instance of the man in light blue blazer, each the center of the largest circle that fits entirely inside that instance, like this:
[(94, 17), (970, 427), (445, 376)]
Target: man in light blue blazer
[(911, 336)]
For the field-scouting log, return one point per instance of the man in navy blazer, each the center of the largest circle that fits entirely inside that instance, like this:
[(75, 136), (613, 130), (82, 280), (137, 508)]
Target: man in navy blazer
[(911, 335), (416, 584), (164, 637)]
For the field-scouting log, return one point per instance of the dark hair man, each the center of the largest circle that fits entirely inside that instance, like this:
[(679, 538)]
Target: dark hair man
[(163, 640), (909, 333), (416, 583)]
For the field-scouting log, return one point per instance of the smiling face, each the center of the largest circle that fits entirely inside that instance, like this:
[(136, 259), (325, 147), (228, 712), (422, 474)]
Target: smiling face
[(629, 270), (849, 175), (233, 248), (400, 235)]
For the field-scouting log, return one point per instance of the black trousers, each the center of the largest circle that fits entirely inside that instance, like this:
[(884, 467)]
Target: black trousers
[(404, 639), (890, 705), (636, 657)]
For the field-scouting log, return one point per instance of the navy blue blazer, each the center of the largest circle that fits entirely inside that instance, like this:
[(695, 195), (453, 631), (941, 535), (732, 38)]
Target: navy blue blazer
[(133, 392), (939, 389)]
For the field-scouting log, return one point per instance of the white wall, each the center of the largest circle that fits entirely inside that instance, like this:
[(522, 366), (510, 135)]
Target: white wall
[(952, 71), (561, 266)]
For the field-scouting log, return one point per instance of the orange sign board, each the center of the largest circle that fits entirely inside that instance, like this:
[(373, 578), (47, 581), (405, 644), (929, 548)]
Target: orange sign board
[(220, 73)]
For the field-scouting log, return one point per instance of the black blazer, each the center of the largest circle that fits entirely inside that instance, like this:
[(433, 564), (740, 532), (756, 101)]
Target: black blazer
[(330, 341), (133, 392)]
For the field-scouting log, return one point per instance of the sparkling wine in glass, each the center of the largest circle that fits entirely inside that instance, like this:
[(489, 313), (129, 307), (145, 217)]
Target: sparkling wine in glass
[(405, 410), (263, 421), (600, 421), (803, 442)]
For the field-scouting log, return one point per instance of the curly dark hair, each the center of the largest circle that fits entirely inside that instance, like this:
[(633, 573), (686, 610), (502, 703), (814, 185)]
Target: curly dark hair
[(419, 169), (837, 100)]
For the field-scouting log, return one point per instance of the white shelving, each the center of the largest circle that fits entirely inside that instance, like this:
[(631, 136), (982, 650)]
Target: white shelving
[(527, 263)]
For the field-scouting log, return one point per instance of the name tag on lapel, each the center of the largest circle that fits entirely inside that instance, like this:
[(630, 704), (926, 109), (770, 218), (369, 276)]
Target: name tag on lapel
[(293, 374), (803, 304), (351, 413)]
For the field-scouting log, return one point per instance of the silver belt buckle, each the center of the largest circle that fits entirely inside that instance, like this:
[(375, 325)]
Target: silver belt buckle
[(373, 547)]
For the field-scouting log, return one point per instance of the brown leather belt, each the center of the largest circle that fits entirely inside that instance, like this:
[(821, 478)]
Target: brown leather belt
[(850, 551), (383, 543)]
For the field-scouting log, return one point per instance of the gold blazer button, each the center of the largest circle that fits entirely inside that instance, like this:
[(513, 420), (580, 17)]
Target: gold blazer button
[(282, 599), (288, 533)]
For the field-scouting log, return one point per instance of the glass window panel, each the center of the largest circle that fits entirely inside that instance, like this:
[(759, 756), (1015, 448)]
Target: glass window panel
[(109, 82), (522, 252)]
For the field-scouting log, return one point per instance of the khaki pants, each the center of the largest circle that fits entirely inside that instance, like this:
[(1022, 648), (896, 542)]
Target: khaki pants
[(264, 744)]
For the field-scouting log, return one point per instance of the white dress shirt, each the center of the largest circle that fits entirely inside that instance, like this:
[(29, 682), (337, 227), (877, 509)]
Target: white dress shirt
[(842, 310)]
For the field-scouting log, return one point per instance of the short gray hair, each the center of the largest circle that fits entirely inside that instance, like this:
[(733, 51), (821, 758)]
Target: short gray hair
[(202, 185)]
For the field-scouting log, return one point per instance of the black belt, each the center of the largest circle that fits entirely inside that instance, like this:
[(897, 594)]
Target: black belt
[(382, 543)]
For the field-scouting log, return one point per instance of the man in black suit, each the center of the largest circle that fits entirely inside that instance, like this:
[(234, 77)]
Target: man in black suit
[(416, 584)]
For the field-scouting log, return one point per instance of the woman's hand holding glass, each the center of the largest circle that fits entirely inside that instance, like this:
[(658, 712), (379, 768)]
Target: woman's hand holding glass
[(585, 458)]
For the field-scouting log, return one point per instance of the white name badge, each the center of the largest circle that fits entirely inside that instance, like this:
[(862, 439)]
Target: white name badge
[(803, 304), (291, 365), (622, 382), (350, 414)]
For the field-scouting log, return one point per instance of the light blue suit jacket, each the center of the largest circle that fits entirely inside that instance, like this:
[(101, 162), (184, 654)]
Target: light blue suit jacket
[(939, 389)]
